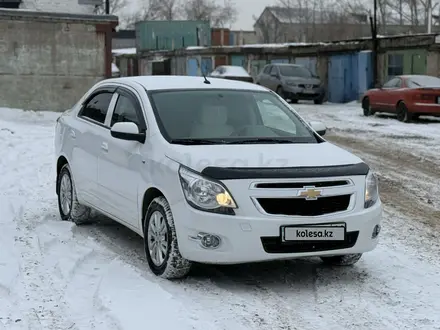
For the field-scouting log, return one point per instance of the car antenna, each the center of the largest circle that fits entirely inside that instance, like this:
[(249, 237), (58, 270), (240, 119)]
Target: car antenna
[(206, 80)]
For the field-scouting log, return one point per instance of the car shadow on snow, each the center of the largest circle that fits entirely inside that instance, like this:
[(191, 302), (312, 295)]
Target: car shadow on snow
[(420, 120), (293, 273)]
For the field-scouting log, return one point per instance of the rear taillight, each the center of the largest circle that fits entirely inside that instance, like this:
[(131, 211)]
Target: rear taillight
[(424, 97)]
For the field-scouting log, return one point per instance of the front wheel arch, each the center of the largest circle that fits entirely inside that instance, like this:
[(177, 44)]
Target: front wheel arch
[(364, 100), (149, 196)]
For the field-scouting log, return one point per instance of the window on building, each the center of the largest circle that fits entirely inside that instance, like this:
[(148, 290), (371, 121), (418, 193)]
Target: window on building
[(395, 65)]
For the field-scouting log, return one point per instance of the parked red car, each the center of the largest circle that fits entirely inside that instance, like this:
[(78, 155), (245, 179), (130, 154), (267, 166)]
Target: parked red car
[(408, 96)]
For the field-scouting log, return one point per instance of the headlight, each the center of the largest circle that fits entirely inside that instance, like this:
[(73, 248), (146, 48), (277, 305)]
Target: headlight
[(371, 190), (204, 194)]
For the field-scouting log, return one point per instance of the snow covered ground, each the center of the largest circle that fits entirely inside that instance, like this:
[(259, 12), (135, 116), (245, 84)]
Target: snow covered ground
[(54, 275)]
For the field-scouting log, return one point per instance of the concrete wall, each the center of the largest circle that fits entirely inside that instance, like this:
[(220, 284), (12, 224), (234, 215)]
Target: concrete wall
[(433, 63), (48, 65), (62, 6)]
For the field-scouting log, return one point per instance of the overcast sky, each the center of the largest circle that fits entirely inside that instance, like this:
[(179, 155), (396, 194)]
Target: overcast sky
[(246, 9)]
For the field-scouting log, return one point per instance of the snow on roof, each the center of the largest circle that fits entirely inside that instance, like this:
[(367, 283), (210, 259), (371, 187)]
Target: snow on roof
[(230, 71), (124, 51), (152, 83)]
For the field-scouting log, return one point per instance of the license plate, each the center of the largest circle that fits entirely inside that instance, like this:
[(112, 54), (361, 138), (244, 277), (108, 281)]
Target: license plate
[(309, 91), (313, 233)]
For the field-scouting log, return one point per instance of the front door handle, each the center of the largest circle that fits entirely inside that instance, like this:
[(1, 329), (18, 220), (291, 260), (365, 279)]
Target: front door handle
[(104, 146)]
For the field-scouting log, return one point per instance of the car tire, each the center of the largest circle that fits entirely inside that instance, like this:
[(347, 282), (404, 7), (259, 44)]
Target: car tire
[(403, 114), (160, 242), (319, 101), (69, 207), (280, 92), (343, 260), (367, 107)]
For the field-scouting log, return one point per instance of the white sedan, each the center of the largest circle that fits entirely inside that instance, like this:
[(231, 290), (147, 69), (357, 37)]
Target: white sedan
[(213, 171)]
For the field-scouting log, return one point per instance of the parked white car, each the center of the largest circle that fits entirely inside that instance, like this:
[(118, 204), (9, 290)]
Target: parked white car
[(213, 171)]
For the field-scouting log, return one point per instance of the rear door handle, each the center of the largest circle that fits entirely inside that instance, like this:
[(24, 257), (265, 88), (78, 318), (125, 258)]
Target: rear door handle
[(104, 146), (72, 134)]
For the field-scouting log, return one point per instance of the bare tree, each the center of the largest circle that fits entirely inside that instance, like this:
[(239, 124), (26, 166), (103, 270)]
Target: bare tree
[(218, 15), (115, 7), (165, 9)]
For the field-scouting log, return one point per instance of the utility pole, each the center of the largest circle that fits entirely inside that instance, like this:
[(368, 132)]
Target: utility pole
[(429, 16), (373, 24), (107, 7)]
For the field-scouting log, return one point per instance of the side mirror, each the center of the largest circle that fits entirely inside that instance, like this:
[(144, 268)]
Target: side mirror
[(127, 131), (319, 127), (379, 86)]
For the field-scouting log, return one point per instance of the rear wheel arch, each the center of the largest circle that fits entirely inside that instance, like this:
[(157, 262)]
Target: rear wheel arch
[(60, 163)]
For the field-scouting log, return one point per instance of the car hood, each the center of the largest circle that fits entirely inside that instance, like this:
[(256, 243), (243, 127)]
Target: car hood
[(199, 157), (305, 81)]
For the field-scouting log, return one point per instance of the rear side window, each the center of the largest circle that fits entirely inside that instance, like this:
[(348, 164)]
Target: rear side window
[(96, 109), (125, 111)]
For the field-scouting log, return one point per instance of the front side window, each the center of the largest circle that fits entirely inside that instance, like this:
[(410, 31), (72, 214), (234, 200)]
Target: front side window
[(227, 116), (96, 109), (295, 71), (125, 111), (274, 70)]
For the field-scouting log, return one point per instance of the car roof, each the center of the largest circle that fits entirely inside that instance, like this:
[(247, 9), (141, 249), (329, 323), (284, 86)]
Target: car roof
[(406, 76), (285, 64), (156, 83)]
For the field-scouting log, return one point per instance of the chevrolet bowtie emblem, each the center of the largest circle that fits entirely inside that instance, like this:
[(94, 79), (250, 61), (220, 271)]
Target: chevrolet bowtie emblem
[(309, 193)]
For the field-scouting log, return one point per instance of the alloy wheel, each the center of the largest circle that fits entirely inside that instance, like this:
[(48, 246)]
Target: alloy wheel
[(157, 238), (66, 194)]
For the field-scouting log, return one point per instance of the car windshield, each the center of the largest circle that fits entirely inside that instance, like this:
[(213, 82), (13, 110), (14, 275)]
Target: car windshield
[(227, 117), (295, 71), (423, 81)]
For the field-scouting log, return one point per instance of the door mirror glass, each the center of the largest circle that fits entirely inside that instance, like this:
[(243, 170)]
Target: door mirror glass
[(127, 131), (319, 127)]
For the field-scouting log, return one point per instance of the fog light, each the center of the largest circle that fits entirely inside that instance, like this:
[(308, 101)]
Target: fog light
[(376, 231), (207, 241)]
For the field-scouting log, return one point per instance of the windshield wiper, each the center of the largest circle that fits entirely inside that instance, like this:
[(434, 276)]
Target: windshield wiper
[(196, 141), (259, 140)]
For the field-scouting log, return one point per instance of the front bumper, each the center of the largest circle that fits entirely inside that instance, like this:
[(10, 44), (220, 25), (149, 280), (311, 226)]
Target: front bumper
[(254, 239), (299, 93)]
